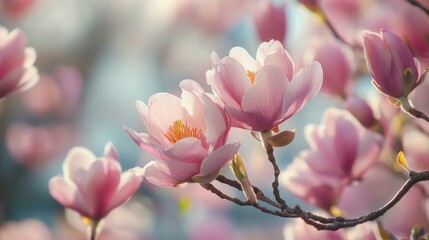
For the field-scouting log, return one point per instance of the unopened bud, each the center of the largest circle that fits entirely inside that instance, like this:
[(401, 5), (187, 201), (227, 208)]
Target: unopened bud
[(239, 170)]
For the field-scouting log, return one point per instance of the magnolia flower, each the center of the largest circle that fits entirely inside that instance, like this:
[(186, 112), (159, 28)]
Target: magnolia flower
[(335, 159), (16, 63), (93, 186), (396, 73), (270, 21), (187, 136), (260, 94)]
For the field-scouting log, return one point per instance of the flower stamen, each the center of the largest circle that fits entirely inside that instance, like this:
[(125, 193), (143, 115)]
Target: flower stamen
[(178, 130), (252, 76)]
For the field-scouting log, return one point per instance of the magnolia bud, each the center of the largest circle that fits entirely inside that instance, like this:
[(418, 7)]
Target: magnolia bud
[(239, 170)]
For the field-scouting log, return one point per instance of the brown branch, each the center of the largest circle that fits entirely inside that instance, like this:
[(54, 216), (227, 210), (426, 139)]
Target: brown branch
[(419, 5), (418, 114), (275, 184), (329, 223)]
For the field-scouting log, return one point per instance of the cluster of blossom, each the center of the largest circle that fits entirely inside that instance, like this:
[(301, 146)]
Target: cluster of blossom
[(354, 147)]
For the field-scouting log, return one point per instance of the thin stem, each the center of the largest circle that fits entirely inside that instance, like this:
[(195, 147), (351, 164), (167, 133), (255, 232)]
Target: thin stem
[(418, 114), (419, 5), (93, 230), (275, 184), (222, 195)]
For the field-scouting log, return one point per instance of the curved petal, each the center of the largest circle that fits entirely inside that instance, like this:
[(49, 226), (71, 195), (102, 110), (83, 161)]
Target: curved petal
[(216, 121), (246, 120), (229, 81), (379, 61), (303, 87), (78, 161), (128, 185), (146, 142), (163, 110), (265, 98), (66, 193), (217, 159), (186, 150), (170, 173), (279, 57), (193, 107), (401, 54), (110, 151), (191, 86), (243, 57), (101, 182), (143, 112)]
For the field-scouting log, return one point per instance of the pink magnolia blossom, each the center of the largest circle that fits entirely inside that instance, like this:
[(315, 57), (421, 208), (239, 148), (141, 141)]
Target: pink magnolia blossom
[(360, 109), (335, 159), (187, 136), (16, 60), (93, 186), (390, 63), (270, 21), (260, 94), (337, 63)]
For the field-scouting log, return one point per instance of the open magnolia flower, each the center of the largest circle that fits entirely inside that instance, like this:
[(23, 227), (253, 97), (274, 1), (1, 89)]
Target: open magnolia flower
[(16, 63), (187, 135), (93, 186), (260, 94)]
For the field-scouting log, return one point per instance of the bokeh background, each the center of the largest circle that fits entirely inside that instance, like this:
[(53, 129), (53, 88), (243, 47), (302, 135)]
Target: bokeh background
[(96, 58)]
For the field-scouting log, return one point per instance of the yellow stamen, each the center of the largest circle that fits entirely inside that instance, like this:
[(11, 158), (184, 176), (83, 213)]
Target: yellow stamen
[(178, 130), (86, 220), (252, 76)]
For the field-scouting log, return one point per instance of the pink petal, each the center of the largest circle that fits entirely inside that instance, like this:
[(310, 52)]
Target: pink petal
[(67, 194), (368, 153), (163, 110), (101, 182), (110, 151), (244, 58), (401, 55), (170, 173), (186, 150), (192, 106), (379, 61), (146, 142), (265, 98), (143, 112), (128, 185), (279, 57), (217, 159), (303, 87), (229, 81), (78, 161), (216, 121), (246, 120)]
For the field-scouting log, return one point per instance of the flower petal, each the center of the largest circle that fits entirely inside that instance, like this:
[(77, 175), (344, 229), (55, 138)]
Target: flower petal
[(101, 182), (170, 173), (146, 142), (128, 185), (110, 151), (78, 161), (243, 57), (186, 150), (143, 112), (303, 87), (265, 98), (229, 81), (67, 194), (217, 123), (217, 159), (279, 57)]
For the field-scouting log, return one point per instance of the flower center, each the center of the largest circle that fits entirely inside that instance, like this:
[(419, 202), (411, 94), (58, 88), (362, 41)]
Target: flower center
[(178, 130), (251, 76)]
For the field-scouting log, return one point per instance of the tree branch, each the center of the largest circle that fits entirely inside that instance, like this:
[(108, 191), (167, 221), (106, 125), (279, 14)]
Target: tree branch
[(419, 5)]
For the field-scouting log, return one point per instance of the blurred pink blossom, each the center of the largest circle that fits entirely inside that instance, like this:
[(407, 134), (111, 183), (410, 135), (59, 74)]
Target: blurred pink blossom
[(260, 94), (187, 135), (334, 160), (16, 72), (390, 63), (16, 8), (30, 229), (297, 229), (35, 146), (93, 186), (337, 64), (270, 21), (360, 109)]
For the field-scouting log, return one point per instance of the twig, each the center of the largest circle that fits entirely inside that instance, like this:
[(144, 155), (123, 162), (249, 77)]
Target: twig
[(275, 185), (419, 5), (418, 114)]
